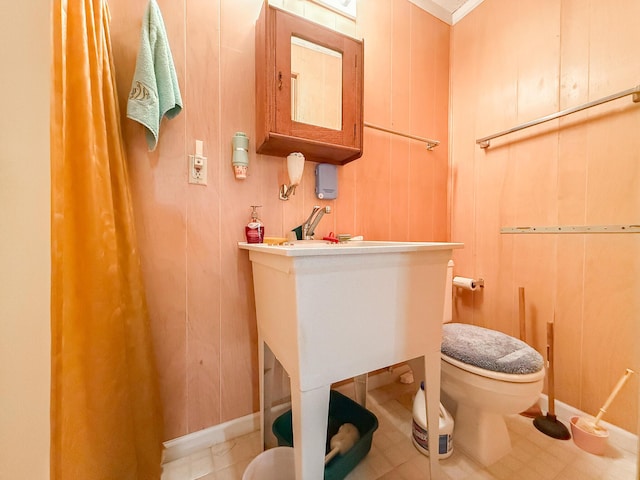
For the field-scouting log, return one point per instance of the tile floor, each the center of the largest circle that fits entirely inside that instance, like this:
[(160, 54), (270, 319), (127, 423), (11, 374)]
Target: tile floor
[(535, 456)]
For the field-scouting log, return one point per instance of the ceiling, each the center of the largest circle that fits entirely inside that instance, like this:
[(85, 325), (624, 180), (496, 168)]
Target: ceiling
[(449, 11)]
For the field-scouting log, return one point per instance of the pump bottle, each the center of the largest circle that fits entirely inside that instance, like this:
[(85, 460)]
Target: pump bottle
[(254, 229)]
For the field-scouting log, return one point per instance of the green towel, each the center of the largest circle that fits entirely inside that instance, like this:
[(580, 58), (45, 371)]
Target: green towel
[(154, 92)]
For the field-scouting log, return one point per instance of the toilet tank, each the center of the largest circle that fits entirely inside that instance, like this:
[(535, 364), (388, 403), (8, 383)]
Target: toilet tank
[(448, 295)]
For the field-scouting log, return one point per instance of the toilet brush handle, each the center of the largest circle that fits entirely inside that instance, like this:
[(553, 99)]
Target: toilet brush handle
[(615, 391), (331, 454), (342, 441)]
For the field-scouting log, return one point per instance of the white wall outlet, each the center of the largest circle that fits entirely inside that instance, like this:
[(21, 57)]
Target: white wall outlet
[(197, 169), (198, 166)]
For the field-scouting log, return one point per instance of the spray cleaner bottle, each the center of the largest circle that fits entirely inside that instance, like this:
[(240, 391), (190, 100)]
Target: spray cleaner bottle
[(254, 229)]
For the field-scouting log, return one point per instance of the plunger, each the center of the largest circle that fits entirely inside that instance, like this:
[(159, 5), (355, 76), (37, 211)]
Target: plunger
[(549, 424)]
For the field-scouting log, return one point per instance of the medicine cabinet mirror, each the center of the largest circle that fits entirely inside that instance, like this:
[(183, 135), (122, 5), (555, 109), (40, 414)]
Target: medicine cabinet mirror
[(309, 82), (316, 84)]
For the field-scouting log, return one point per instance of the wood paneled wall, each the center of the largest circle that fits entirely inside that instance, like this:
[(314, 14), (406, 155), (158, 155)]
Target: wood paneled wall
[(199, 284), (511, 62)]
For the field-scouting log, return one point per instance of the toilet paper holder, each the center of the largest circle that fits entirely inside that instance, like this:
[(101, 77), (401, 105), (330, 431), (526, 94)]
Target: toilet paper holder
[(468, 283)]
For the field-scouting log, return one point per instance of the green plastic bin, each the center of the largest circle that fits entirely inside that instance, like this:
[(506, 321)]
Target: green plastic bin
[(341, 410)]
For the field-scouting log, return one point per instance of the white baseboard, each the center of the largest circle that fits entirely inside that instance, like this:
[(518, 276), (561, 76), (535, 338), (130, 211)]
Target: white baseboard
[(617, 436), (193, 442), (207, 438)]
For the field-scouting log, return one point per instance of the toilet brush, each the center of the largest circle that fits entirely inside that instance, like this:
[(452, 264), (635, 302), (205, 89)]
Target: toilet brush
[(587, 433), (549, 424), (591, 425), (342, 441)]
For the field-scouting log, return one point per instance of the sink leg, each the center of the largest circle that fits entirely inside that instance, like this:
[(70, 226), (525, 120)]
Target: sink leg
[(360, 386), (266, 365), (310, 410), (432, 401)]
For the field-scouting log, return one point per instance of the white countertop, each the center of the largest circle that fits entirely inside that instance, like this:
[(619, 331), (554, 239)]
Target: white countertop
[(319, 247)]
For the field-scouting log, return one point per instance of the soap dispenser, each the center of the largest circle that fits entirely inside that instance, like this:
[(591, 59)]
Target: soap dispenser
[(254, 229)]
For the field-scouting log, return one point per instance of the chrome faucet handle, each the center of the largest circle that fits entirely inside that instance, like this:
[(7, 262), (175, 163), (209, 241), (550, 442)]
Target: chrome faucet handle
[(312, 214), (310, 228)]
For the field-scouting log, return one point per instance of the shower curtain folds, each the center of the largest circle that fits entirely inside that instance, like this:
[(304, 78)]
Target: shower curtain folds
[(106, 420)]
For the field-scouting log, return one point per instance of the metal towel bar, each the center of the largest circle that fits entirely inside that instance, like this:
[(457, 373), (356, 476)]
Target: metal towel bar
[(627, 228), (431, 144), (635, 91)]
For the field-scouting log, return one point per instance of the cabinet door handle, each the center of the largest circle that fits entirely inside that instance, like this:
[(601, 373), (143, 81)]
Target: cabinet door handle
[(279, 80)]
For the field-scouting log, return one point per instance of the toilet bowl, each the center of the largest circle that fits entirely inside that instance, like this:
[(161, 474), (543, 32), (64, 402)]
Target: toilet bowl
[(485, 375)]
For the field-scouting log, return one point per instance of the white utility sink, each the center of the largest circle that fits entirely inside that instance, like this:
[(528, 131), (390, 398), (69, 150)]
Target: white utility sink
[(334, 311)]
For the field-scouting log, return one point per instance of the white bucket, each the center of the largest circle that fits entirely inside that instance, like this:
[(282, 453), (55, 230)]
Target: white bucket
[(273, 464), (419, 429)]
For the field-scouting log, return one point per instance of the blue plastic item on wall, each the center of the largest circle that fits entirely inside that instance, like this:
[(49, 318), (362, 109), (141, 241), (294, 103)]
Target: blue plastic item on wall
[(326, 181)]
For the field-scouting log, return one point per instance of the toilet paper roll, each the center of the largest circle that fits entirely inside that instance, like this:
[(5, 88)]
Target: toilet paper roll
[(465, 283)]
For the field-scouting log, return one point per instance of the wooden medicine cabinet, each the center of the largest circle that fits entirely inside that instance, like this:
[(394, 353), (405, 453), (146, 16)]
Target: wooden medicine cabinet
[(309, 84)]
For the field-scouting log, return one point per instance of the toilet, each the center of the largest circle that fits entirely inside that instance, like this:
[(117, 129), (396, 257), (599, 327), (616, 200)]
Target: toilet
[(485, 374)]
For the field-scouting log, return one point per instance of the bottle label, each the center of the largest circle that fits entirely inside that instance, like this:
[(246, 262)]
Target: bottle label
[(254, 232), (421, 437)]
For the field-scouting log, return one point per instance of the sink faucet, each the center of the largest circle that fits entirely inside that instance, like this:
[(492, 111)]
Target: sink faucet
[(309, 227)]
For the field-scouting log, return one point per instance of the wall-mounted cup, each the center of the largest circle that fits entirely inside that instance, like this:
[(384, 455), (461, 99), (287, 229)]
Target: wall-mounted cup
[(240, 157), (240, 171)]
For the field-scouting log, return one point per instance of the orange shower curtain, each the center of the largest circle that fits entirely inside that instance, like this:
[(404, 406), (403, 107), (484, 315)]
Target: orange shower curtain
[(106, 418)]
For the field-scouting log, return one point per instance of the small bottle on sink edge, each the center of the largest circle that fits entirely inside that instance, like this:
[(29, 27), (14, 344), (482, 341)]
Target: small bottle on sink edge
[(254, 229)]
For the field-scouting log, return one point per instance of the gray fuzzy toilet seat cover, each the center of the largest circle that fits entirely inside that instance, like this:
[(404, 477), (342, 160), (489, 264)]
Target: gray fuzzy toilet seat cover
[(489, 349)]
